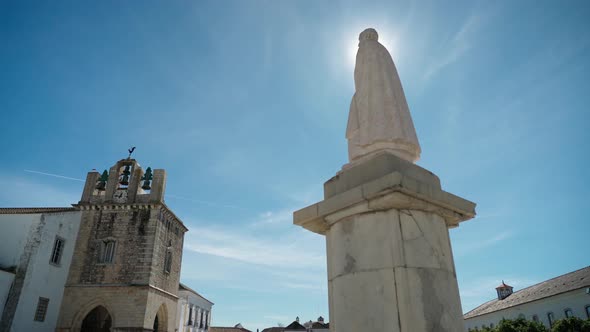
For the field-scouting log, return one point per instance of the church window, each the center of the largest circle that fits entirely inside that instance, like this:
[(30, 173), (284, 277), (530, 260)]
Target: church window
[(535, 318), (521, 316), (57, 251), (168, 261), (107, 252), (568, 313), (491, 325), (190, 316), (588, 311), (550, 318), (41, 309)]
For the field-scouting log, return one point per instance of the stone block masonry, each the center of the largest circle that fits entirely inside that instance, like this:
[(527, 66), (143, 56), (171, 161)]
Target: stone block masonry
[(390, 263)]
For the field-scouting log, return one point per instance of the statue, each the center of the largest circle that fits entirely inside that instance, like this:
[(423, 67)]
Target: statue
[(379, 118)]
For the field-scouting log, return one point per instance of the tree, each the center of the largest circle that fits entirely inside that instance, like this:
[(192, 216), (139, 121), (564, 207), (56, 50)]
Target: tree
[(572, 324), (519, 325)]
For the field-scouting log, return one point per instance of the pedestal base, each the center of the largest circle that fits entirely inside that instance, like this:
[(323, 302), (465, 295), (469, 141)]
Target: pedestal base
[(390, 264)]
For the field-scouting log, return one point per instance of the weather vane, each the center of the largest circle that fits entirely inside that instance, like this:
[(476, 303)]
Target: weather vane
[(130, 152)]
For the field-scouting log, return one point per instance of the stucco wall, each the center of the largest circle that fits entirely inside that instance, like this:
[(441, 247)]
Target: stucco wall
[(575, 300), (43, 279), (6, 279), (185, 301), (13, 238)]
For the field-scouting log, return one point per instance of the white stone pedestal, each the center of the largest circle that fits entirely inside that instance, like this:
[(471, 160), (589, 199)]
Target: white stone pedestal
[(390, 263)]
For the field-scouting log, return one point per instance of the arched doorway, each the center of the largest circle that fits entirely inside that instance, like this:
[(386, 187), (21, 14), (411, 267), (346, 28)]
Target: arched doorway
[(97, 320), (161, 319)]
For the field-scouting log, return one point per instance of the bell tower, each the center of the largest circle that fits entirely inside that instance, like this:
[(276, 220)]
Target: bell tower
[(125, 271)]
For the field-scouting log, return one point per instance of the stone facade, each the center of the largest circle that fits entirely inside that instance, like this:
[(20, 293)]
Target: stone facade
[(128, 254)]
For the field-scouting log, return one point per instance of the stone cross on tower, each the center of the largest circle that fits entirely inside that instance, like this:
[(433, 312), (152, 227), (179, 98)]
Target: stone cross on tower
[(386, 220)]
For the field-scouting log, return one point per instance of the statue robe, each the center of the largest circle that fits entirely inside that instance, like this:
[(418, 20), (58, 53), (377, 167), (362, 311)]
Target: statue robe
[(379, 117)]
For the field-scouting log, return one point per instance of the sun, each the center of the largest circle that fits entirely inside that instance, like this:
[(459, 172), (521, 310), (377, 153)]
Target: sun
[(386, 38)]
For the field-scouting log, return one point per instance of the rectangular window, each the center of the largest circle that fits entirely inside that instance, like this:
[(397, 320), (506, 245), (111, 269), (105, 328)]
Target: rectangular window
[(190, 316), (550, 318), (168, 261), (41, 309), (107, 252), (58, 247)]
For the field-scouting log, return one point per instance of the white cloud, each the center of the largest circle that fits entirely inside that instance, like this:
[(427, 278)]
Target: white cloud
[(276, 251), (267, 218), (465, 248), (457, 46)]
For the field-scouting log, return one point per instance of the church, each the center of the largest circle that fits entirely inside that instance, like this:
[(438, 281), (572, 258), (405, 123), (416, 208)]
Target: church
[(111, 262)]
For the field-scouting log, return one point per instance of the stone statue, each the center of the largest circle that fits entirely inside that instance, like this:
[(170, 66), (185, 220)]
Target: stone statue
[(379, 118)]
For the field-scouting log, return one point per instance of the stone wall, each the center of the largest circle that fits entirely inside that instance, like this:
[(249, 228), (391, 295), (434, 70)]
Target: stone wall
[(169, 236), (133, 231), (135, 287)]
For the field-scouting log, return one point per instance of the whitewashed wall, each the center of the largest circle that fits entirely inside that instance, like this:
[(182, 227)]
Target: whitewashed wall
[(576, 300), (43, 279), (187, 299), (6, 279), (13, 238)]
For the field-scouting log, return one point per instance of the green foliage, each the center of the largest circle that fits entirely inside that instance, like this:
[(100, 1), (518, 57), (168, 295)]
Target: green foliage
[(572, 324), (519, 325)]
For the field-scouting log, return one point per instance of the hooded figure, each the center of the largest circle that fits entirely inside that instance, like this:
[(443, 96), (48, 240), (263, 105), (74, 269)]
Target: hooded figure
[(379, 118)]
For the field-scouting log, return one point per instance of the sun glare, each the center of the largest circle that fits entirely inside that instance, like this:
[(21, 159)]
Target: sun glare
[(386, 38)]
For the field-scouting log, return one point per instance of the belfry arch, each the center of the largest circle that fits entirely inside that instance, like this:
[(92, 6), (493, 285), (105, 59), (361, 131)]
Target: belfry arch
[(97, 320)]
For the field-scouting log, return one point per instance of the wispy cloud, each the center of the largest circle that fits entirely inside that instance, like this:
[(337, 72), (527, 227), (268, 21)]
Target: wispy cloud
[(465, 248), (457, 46), (24, 192), (53, 175), (284, 216), (189, 199), (214, 204), (279, 251)]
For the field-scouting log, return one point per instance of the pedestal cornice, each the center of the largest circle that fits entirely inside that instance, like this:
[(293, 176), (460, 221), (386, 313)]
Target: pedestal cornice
[(383, 183)]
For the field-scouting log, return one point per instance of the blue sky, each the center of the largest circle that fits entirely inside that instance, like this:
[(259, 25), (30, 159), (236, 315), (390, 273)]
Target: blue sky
[(245, 105)]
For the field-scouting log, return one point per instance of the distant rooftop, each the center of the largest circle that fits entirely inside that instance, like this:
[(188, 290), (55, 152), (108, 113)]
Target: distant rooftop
[(182, 286), (564, 283), (35, 210), (227, 329)]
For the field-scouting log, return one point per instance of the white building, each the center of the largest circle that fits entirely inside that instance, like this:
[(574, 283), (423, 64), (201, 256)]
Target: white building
[(194, 311), (36, 247), (295, 326), (561, 297)]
